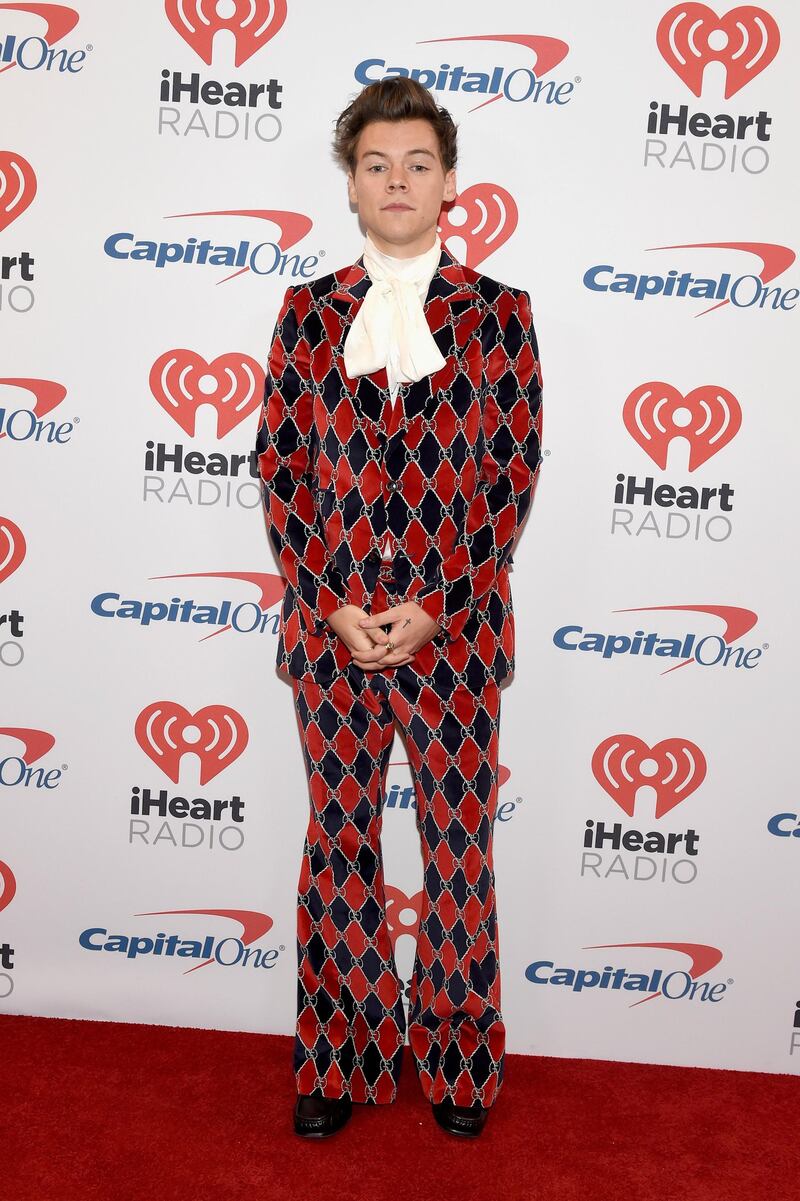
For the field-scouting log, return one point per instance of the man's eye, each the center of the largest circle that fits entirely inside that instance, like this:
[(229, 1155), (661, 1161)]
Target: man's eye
[(379, 167)]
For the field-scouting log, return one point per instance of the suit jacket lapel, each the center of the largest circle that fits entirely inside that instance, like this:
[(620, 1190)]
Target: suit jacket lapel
[(452, 314)]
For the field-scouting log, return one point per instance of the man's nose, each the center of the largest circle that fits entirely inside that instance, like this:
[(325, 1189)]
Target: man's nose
[(397, 180)]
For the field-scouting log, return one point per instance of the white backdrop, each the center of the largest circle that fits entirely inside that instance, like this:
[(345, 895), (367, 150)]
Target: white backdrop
[(121, 491)]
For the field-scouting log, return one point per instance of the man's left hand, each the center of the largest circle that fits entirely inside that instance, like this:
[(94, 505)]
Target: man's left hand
[(411, 628)]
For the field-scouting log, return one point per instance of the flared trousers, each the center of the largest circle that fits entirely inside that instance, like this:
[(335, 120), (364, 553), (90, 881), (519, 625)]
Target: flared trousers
[(351, 1024)]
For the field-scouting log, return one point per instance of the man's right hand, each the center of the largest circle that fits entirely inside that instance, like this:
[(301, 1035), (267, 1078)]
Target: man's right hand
[(366, 654)]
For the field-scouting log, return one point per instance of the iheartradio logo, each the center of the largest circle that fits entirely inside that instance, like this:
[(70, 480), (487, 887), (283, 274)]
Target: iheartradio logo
[(233, 384), (491, 216), (745, 40), (253, 23), (656, 413), (674, 768), (17, 186), (166, 731), (12, 548)]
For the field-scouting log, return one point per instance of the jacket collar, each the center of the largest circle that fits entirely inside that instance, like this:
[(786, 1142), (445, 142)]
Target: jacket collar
[(448, 283)]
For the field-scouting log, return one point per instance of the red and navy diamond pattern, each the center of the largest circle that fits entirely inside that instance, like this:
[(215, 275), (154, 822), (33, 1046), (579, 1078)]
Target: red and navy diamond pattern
[(351, 1024), (449, 472)]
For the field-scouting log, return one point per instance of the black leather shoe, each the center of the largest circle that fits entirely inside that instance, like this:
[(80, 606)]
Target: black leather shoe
[(318, 1117), (460, 1119)]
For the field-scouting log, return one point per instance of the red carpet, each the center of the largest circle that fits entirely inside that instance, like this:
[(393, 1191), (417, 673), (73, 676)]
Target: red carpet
[(96, 1110)]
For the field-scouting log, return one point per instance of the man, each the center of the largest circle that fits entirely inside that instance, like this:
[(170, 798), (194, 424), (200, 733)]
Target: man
[(399, 447)]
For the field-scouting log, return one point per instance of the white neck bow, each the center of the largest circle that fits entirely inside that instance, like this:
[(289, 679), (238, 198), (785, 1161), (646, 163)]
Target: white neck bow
[(390, 328)]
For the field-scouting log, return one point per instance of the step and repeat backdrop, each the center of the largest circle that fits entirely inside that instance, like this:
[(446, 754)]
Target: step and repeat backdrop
[(165, 174)]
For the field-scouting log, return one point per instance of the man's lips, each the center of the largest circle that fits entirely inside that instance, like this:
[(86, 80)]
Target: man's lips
[(399, 207)]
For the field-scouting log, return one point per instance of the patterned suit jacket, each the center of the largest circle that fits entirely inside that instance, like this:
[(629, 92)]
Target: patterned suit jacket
[(450, 472)]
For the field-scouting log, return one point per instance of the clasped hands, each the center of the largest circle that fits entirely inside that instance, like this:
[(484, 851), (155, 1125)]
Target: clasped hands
[(371, 647)]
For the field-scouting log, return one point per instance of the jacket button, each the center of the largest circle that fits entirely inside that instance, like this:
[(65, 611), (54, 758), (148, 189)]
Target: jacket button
[(393, 485)]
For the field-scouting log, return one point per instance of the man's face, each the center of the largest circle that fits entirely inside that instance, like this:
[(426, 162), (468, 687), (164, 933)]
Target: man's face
[(399, 185)]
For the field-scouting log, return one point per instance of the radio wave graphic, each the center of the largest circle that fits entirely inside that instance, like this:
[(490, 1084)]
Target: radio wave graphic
[(623, 763), (12, 548), (166, 732), (490, 218), (233, 384), (708, 417), (17, 186), (746, 41), (253, 23)]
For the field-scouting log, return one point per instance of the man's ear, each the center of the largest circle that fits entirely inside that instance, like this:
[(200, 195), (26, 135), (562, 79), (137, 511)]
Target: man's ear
[(351, 187), (450, 188)]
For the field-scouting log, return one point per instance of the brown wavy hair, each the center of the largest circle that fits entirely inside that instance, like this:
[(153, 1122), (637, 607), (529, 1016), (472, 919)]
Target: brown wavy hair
[(394, 99)]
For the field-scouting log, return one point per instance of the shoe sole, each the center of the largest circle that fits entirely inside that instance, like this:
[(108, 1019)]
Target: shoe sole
[(461, 1132), (319, 1133), (316, 1133)]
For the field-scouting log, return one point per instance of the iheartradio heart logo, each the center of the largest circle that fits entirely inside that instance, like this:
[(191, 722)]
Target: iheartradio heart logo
[(253, 23), (166, 732), (17, 186), (490, 219), (8, 885), (745, 41), (12, 548), (181, 381), (622, 764), (708, 417)]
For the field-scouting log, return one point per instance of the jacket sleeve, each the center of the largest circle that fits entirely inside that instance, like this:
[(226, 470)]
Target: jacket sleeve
[(512, 425), (283, 446)]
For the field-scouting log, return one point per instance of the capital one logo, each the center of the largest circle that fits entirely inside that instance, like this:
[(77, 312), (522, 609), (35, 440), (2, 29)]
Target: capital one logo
[(519, 85), (47, 395), (166, 731), (233, 384), (253, 23), (656, 413), (36, 743), (17, 186), (230, 950), (745, 40), (746, 291), (17, 764), (12, 548), (708, 650), (59, 21), (683, 983), (491, 216), (674, 768)]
